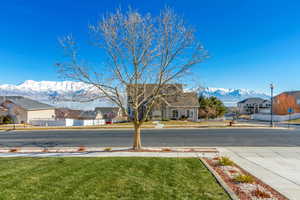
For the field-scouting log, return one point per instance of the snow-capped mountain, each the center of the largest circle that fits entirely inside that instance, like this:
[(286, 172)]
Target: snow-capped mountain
[(231, 96), (59, 93)]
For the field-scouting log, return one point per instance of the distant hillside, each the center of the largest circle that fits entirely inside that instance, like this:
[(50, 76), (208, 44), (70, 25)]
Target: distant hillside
[(57, 92), (231, 96)]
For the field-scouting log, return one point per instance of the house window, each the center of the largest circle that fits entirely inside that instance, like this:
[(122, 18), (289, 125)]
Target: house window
[(188, 113), (298, 101), (175, 114)]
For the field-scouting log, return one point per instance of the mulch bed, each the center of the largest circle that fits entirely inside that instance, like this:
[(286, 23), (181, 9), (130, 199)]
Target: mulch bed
[(257, 190)]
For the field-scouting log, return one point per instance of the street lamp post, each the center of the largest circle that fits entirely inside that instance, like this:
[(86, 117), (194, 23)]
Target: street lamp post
[(272, 88)]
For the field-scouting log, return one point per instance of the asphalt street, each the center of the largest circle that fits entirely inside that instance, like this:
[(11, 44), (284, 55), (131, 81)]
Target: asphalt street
[(153, 137)]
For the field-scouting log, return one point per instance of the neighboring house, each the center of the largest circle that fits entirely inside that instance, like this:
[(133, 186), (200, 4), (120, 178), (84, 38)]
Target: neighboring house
[(286, 100), (22, 109), (65, 113), (109, 113), (174, 103), (106, 113), (254, 105)]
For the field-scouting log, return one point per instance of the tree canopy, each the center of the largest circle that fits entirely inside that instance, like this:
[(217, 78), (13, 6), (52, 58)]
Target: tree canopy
[(140, 49), (211, 107)]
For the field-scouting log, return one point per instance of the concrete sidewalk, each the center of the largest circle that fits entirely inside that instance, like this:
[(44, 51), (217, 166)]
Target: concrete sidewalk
[(114, 154), (278, 167)]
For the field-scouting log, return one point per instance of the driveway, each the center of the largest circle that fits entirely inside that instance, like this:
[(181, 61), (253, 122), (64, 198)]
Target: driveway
[(278, 167)]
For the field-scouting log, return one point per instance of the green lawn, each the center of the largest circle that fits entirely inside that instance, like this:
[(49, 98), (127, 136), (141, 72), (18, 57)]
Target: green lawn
[(106, 178), (296, 121)]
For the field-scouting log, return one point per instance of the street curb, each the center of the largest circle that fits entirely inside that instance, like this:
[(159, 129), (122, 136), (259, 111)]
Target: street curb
[(146, 128), (227, 189)]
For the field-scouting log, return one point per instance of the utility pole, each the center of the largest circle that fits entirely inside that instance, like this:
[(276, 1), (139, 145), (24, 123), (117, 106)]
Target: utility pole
[(272, 88)]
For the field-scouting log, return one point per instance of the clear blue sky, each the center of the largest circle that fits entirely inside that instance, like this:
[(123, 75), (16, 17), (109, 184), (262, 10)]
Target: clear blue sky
[(251, 42)]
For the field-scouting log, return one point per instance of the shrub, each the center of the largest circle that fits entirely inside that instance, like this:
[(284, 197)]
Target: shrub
[(183, 117), (232, 171), (107, 149), (260, 194), (13, 150), (7, 120), (243, 178), (45, 150), (166, 150), (225, 161), (82, 148)]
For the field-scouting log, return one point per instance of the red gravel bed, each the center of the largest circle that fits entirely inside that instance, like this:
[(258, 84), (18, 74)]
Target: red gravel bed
[(237, 187)]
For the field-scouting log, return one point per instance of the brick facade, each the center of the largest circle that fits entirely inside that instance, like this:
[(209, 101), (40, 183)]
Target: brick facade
[(286, 100)]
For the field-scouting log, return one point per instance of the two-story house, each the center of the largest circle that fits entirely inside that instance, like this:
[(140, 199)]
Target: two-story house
[(254, 105), (173, 102)]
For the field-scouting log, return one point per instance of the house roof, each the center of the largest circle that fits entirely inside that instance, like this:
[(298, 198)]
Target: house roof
[(149, 89), (186, 99), (104, 110), (266, 100), (292, 93), (26, 103), (3, 109), (253, 100), (88, 114), (64, 113)]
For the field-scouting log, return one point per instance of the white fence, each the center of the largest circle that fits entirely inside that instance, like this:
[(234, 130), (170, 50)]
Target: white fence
[(67, 122), (76, 122), (49, 122), (277, 118)]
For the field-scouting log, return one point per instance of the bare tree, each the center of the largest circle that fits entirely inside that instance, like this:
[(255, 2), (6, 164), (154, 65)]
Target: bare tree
[(141, 50)]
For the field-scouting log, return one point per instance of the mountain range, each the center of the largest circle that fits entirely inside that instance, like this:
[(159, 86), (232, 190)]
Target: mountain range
[(230, 97), (66, 93)]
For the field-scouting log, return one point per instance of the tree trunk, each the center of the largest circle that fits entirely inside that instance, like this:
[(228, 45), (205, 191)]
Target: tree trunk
[(137, 145)]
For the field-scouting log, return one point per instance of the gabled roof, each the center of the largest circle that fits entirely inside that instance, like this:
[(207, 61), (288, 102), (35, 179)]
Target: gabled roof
[(3, 109), (88, 114), (63, 113), (295, 93), (26, 103), (186, 99), (266, 100), (148, 89), (253, 100), (104, 110)]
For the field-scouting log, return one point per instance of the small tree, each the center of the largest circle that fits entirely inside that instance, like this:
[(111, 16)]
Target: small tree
[(211, 107), (141, 50), (7, 120)]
